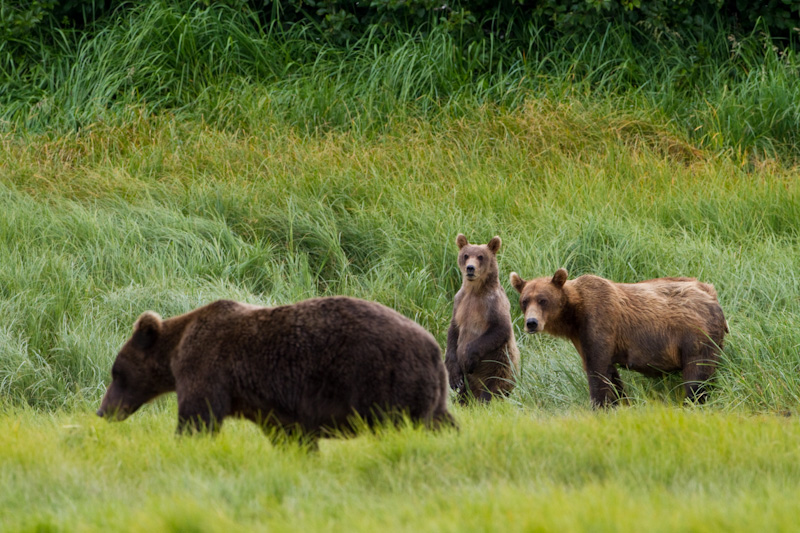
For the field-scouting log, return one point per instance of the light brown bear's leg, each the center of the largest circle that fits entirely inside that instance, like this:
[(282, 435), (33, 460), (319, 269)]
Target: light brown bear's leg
[(616, 381), (602, 390), (697, 371)]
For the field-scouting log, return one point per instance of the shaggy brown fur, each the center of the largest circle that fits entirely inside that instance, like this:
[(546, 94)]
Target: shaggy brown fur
[(655, 326), (482, 357), (306, 368)]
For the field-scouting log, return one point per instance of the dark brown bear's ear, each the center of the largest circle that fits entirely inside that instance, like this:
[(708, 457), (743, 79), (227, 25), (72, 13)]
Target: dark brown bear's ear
[(517, 282), (560, 277), (494, 244), (461, 241), (147, 329)]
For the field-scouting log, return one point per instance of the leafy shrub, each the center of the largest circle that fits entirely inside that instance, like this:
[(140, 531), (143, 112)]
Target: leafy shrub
[(342, 21)]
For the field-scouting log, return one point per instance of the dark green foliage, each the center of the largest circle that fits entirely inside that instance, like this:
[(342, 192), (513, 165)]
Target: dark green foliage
[(345, 20), (21, 19)]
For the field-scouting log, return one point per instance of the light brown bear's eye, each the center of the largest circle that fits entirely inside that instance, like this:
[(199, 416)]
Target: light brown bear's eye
[(466, 256), (480, 258), (525, 303), (542, 302)]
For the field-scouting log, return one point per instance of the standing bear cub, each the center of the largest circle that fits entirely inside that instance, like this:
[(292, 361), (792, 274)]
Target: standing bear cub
[(654, 327), (305, 369), (482, 357)]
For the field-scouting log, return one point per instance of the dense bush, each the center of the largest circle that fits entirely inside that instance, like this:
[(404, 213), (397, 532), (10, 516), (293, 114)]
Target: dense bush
[(344, 20), (18, 20)]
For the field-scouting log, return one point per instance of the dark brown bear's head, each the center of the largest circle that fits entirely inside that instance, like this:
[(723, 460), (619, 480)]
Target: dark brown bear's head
[(478, 262), (541, 299), (141, 371)]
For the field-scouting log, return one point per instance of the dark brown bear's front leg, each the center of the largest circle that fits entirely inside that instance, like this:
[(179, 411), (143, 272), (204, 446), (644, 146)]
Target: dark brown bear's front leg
[(201, 413)]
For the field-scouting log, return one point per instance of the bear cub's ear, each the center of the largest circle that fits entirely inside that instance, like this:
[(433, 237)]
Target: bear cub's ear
[(494, 244), (147, 329), (517, 282), (461, 241), (560, 277)]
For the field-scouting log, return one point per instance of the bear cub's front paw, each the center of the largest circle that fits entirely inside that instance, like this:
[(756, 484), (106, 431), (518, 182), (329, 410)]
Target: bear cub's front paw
[(456, 381)]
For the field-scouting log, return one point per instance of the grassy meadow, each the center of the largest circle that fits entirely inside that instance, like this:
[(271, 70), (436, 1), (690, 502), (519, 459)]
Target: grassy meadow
[(322, 172), (659, 468)]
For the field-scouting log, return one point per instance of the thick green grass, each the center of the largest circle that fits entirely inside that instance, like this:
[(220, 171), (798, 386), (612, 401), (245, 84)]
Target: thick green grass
[(168, 215), (657, 468)]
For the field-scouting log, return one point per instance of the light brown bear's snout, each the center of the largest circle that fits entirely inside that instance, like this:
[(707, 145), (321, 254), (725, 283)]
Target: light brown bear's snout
[(532, 325)]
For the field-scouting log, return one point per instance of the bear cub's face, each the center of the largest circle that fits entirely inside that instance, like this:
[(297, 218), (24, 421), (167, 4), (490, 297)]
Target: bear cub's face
[(136, 376), (540, 299), (477, 261)]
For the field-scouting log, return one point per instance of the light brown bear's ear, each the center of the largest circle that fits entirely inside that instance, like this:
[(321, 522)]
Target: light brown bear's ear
[(461, 241), (560, 277), (147, 329), (494, 244), (517, 282)]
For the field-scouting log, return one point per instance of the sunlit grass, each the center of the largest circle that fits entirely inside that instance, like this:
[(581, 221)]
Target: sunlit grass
[(660, 468)]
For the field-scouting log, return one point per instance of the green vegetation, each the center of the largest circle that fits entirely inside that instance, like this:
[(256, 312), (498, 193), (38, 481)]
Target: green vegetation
[(724, 91), (664, 469), (166, 215), (169, 156)]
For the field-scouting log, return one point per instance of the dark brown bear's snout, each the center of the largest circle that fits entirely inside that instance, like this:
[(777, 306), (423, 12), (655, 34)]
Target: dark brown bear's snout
[(531, 325), (113, 415)]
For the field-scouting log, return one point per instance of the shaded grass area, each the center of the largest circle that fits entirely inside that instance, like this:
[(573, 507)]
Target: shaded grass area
[(517, 469), (169, 214)]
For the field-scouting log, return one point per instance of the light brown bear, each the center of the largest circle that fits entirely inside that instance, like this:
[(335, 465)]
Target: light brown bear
[(654, 327), (305, 369), (482, 358)]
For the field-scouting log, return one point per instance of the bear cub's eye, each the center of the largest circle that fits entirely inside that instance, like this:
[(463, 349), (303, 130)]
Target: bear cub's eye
[(524, 303), (480, 258), (542, 302), (466, 256)]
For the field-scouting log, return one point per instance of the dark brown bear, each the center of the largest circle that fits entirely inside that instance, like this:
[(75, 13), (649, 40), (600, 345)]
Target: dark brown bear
[(482, 358), (654, 327), (306, 368)]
